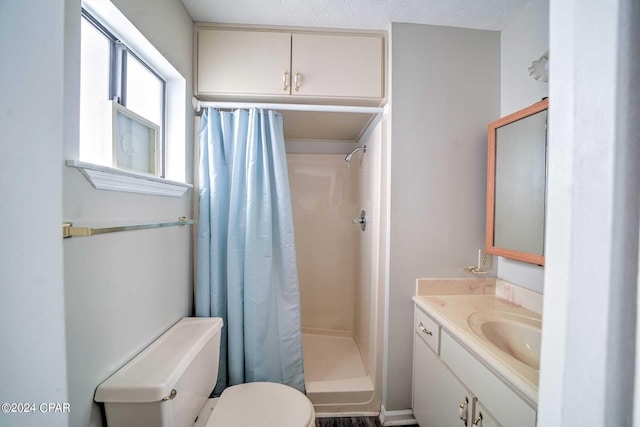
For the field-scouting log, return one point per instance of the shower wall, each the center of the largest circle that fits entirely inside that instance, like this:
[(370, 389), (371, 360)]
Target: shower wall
[(368, 310), (342, 272), (325, 197)]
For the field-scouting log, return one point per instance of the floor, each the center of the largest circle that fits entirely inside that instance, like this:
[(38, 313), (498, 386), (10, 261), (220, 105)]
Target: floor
[(351, 422), (348, 422)]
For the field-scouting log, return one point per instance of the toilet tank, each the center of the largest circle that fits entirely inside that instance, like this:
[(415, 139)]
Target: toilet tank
[(168, 383)]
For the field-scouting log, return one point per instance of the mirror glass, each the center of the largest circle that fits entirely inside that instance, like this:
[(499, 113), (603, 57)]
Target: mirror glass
[(516, 184)]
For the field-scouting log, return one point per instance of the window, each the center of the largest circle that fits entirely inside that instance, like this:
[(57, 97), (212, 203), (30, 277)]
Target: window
[(130, 90), (129, 135)]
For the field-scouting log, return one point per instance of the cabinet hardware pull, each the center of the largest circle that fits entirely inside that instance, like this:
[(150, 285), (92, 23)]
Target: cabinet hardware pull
[(478, 421), (425, 330), (285, 81), (297, 80), (463, 410)]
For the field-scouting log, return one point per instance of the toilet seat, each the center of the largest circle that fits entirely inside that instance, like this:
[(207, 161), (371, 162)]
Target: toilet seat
[(262, 404)]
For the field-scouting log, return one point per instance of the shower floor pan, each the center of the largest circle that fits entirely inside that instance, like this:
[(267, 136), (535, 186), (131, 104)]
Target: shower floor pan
[(335, 376)]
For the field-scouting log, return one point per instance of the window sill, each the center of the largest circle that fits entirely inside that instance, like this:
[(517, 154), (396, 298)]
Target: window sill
[(106, 178)]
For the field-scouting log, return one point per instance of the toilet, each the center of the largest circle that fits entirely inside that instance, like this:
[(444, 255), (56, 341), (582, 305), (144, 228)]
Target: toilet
[(168, 385)]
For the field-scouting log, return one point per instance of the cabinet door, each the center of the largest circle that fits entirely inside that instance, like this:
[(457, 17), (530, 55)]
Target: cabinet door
[(482, 417), (437, 394), (505, 405), (243, 62), (337, 66)]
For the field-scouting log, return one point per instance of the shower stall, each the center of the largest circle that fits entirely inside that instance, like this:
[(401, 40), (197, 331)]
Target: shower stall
[(341, 265), (341, 271)]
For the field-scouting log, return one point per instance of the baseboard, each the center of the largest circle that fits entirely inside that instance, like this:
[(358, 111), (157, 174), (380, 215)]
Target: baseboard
[(397, 418)]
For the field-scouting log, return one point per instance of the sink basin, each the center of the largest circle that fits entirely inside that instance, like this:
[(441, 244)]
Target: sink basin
[(515, 335)]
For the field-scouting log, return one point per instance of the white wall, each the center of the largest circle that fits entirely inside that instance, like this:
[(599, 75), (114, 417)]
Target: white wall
[(445, 90), (122, 290), (524, 40), (32, 359), (591, 276)]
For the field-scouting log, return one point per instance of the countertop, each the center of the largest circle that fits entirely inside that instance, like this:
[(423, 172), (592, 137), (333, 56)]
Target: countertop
[(452, 312)]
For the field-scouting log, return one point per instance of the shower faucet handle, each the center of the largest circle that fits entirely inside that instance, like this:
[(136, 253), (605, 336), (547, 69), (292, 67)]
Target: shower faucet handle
[(362, 220)]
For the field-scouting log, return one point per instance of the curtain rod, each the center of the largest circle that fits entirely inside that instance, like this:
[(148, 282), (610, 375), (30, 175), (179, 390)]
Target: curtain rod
[(198, 105)]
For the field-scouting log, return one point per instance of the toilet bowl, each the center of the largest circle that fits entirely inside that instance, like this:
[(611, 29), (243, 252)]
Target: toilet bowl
[(168, 385)]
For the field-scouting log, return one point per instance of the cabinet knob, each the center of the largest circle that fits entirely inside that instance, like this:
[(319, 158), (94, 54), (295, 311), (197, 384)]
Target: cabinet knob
[(285, 81), (297, 80), (478, 421), (463, 410), (425, 330)]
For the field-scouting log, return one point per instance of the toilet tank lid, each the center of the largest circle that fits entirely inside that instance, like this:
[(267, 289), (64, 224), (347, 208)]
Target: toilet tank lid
[(152, 374)]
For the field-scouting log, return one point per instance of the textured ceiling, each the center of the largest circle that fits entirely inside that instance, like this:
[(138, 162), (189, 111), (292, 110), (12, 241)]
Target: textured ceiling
[(357, 14)]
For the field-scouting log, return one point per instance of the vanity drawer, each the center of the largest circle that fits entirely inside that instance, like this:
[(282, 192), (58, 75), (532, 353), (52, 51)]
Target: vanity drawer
[(427, 329), (507, 407)]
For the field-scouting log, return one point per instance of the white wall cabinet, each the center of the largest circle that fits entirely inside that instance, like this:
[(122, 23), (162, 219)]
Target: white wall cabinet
[(277, 64), (446, 375), (248, 62), (345, 66)]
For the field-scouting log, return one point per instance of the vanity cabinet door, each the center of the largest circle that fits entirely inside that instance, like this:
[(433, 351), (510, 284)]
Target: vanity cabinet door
[(507, 407), (482, 417), (437, 394)]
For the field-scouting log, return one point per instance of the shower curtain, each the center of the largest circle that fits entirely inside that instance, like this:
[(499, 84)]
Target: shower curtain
[(246, 262)]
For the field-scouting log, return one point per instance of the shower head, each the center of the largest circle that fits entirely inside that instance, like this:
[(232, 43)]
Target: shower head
[(350, 155)]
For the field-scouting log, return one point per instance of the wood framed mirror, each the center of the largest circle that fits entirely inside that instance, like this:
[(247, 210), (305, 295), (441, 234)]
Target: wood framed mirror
[(516, 184)]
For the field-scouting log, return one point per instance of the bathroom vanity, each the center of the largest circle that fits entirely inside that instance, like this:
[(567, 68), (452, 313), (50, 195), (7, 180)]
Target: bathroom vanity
[(476, 353)]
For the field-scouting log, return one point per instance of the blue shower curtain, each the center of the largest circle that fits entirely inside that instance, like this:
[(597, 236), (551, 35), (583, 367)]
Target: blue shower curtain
[(246, 263)]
